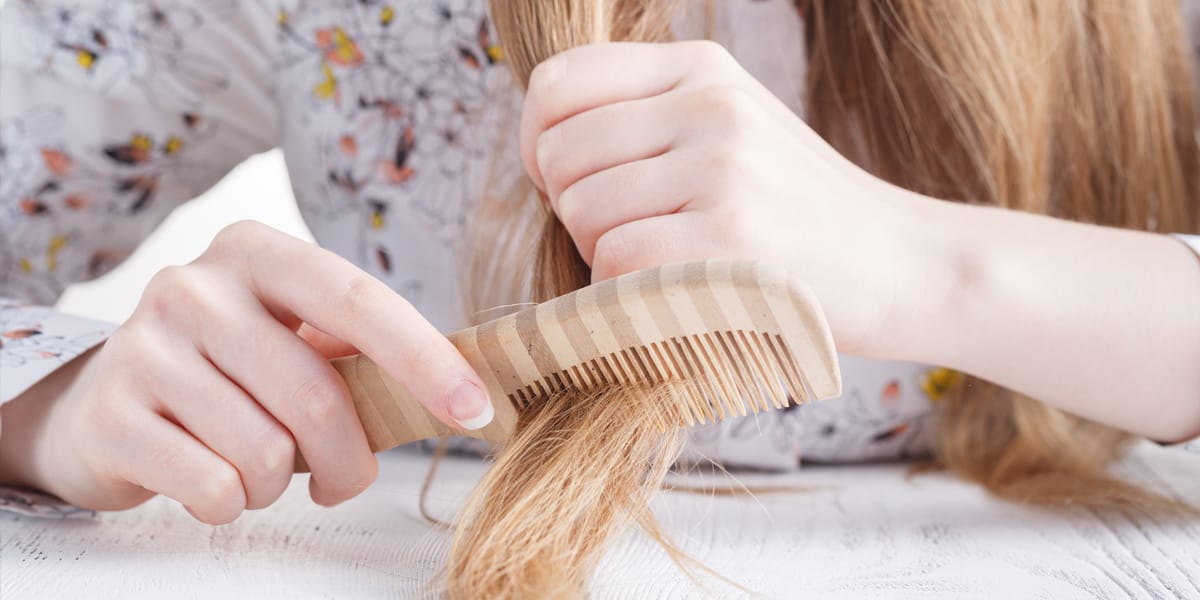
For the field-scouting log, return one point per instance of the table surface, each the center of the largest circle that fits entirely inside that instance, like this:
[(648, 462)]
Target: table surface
[(861, 532)]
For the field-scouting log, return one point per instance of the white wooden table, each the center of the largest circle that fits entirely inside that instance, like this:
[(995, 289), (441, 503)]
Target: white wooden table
[(867, 533)]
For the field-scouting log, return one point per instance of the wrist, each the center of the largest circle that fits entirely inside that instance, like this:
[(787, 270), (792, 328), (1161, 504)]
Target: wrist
[(934, 265), (26, 448), (24, 421)]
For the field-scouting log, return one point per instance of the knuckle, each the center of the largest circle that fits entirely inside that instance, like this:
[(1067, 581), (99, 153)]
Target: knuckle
[(239, 231), (320, 398), (709, 52), (362, 295), (166, 280), (544, 77), (235, 238), (222, 494), (725, 107), (176, 291), (572, 210), (612, 252), (546, 153), (277, 450), (222, 486)]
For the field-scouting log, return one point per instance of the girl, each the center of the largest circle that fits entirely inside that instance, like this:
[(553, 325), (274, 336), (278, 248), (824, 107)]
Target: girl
[(395, 120)]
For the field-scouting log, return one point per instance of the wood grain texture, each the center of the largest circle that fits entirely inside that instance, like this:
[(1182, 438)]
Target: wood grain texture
[(747, 336), (863, 532)]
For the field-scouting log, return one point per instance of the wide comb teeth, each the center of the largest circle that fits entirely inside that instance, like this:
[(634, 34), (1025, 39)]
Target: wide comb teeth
[(736, 334)]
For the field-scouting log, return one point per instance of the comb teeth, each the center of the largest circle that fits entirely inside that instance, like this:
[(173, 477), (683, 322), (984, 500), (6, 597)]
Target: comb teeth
[(738, 336), (727, 373)]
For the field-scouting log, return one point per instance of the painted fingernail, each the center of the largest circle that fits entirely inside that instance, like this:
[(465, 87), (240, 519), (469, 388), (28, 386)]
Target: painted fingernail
[(470, 407)]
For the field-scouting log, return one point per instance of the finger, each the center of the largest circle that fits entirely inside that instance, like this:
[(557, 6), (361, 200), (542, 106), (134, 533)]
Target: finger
[(327, 345), (629, 192), (223, 417), (181, 468), (587, 77), (590, 76), (657, 241), (298, 386), (605, 137), (325, 290)]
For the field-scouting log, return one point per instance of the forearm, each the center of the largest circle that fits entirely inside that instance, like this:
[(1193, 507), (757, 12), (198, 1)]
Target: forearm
[(1100, 322), (24, 447)]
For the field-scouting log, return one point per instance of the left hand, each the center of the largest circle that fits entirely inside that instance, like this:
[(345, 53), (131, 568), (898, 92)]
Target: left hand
[(657, 153)]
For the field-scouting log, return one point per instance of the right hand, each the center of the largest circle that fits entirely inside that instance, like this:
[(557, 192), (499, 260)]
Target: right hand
[(207, 391)]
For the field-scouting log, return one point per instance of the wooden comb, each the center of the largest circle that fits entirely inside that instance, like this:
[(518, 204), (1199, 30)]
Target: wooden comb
[(746, 337)]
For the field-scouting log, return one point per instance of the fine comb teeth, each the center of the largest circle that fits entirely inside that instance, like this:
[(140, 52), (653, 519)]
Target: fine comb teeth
[(739, 333)]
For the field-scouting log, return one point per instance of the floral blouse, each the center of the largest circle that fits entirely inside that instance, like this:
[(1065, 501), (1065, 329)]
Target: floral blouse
[(393, 116)]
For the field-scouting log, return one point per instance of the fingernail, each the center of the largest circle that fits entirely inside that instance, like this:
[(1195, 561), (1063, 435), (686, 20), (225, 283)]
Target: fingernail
[(469, 406)]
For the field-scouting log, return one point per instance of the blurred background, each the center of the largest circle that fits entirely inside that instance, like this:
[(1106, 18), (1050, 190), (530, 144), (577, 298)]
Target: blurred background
[(258, 189)]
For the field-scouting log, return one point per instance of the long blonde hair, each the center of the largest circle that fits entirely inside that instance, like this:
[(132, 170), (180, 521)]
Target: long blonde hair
[(581, 464), (1081, 109)]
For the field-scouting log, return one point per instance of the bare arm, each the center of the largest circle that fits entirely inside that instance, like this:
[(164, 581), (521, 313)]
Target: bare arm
[(654, 153), (1100, 322)]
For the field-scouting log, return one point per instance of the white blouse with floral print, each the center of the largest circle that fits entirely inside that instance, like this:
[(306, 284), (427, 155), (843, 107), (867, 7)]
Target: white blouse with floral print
[(389, 112)]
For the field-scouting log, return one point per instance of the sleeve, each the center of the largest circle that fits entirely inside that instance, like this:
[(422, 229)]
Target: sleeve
[(885, 412), (112, 113), (1192, 241)]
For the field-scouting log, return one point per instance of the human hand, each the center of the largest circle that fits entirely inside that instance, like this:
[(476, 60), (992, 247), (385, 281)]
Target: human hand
[(655, 153), (221, 374)]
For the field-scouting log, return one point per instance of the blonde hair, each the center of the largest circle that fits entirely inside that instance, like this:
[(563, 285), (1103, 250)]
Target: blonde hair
[(1082, 109), (581, 465)]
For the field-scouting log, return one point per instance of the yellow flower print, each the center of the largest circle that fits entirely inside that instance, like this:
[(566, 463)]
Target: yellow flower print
[(938, 381), (327, 88), (141, 142), (173, 145), (339, 48), (378, 209), (85, 58), (56, 245)]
